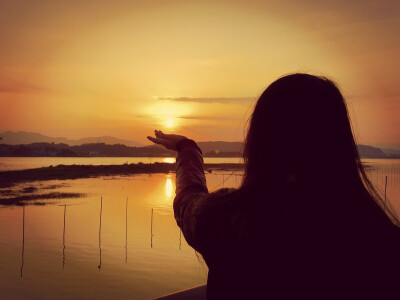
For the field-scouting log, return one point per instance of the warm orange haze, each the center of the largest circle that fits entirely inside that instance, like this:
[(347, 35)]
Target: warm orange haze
[(257, 187), (122, 68)]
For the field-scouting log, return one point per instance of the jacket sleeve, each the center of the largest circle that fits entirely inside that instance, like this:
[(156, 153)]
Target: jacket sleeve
[(190, 188)]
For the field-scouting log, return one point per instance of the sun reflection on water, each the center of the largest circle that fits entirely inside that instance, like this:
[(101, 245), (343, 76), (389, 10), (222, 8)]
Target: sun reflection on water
[(169, 160), (168, 188)]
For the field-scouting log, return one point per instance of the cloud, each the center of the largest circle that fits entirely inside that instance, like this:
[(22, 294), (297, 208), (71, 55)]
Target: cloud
[(192, 117), (208, 118), (392, 96), (16, 87), (238, 100)]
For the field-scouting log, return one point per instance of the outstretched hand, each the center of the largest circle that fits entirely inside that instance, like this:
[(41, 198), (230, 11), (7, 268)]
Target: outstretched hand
[(169, 141)]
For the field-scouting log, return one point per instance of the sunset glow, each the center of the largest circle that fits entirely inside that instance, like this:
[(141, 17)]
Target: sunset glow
[(169, 123), (134, 165), (124, 68)]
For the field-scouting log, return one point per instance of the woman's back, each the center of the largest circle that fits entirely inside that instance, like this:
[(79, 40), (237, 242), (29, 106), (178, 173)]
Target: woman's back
[(286, 251), (306, 221)]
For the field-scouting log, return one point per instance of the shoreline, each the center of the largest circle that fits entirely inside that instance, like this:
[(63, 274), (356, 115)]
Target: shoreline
[(64, 172)]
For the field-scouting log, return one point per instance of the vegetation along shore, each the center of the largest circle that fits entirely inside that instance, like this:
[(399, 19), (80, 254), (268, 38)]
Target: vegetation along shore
[(62, 172)]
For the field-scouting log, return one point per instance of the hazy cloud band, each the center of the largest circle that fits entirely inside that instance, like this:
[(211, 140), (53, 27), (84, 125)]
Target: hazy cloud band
[(245, 100)]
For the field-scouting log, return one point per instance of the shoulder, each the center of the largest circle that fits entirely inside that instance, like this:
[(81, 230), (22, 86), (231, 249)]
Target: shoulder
[(222, 193), (217, 201)]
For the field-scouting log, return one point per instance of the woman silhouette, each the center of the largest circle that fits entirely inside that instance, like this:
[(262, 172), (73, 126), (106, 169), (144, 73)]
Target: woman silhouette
[(306, 222)]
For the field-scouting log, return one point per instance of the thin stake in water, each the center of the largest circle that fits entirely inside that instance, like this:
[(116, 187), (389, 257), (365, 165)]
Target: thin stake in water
[(65, 211), (23, 239), (151, 229), (65, 218), (385, 190), (126, 231), (101, 210)]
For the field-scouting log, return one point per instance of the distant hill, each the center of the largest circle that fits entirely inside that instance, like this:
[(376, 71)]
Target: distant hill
[(89, 150), (22, 138), (210, 149), (370, 152), (388, 147), (391, 151)]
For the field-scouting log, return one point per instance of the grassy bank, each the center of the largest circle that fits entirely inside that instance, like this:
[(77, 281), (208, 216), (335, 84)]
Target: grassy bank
[(62, 172)]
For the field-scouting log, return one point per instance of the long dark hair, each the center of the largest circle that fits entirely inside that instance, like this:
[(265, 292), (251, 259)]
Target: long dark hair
[(300, 131)]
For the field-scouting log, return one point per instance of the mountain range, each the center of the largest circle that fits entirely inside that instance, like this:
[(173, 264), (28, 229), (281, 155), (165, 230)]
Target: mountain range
[(36, 144), (23, 137)]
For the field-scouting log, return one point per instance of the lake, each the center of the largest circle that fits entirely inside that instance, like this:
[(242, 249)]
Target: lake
[(118, 241), (20, 163)]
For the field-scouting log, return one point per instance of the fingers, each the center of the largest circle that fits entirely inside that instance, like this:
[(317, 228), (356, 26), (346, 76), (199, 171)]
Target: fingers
[(169, 141), (155, 140), (159, 134), (151, 139), (163, 142), (162, 136)]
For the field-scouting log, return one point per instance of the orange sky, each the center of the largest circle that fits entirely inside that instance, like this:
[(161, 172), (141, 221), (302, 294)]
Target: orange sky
[(122, 68)]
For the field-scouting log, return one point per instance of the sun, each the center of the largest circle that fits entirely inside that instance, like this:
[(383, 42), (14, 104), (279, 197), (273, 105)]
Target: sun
[(169, 123)]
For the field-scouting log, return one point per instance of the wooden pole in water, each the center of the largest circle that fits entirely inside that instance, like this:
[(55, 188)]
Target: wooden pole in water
[(126, 231), (23, 239), (65, 211), (151, 229), (101, 210), (385, 189)]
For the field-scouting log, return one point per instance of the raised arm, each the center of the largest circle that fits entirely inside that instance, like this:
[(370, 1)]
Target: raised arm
[(190, 187), (190, 181)]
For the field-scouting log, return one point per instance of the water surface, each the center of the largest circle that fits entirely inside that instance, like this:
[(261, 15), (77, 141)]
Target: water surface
[(20, 163), (126, 258), (59, 250)]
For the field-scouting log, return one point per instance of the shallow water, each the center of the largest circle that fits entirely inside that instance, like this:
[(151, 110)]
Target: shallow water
[(385, 175), (20, 163), (127, 257), (42, 259)]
